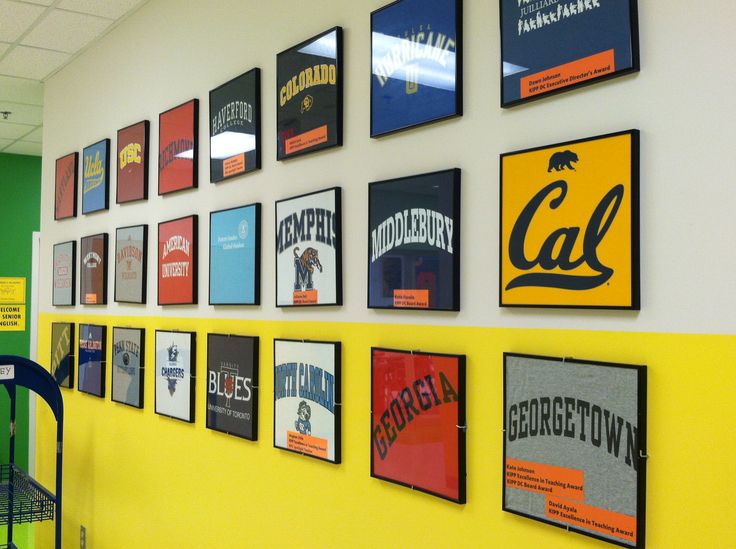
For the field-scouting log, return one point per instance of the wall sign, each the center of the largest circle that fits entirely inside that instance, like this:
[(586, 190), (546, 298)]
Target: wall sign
[(62, 353), (128, 365), (65, 186), (307, 401), (235, 256), (12, 304), (414, 242), (570, 224), (309, 249), (232, 385), (416, 60), (131, 259), (92, 359), (549, 47), (178, 153), (64, 273), (418, 421), (96, 177), (575, 445), (309, 95), (177, 261), (132, 161), (93, 270), (235, 127), (175, 371)]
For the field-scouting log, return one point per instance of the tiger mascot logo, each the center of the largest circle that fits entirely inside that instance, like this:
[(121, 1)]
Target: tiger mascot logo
[(304, 265)]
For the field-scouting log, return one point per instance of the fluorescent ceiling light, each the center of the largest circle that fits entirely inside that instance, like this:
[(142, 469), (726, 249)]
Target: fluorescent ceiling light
[(429, 72), (325, 46), (227, 144), (509, 69)]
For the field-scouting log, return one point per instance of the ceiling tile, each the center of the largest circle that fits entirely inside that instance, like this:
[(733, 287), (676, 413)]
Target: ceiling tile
[(5, 142), (35, 136), (24, 147), (8, 130), (65, 31), (31, 62), (3, 47), (22, 114), (16, 18), (112, 9), (20, 90), (40, 2)]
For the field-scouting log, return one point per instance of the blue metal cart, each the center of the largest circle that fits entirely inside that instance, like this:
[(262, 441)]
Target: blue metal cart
[(22, 499)]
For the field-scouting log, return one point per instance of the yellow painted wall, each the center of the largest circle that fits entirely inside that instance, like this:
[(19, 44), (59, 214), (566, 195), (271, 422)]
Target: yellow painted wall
[(135, 479)]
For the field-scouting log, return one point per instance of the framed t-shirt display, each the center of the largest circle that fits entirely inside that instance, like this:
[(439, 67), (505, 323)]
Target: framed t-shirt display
[(175, 371), (128, 365), (177, 261), (569, 224), (65, 186), (133, 162), (93, 270), (235, 127), (309, 95), (131, 253), (414, 242), (309, 249), (178, 151), (307, 398), (96, 177), (92, 359), (550, 47), (235, 256), (575, 437), (64, 273), (232, 385), (418, 421), (416, 64), (62, 353)]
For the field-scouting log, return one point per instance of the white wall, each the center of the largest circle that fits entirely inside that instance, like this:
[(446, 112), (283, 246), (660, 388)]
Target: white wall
[(173, 50)]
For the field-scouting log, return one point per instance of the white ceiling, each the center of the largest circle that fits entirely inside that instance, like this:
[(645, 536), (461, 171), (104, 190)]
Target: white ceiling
[(37, 38)]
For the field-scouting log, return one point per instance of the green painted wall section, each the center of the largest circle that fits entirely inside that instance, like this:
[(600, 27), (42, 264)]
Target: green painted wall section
[(20, 201)]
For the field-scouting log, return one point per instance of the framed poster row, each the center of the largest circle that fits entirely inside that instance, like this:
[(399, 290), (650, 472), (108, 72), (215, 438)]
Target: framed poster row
[(574, 431), (416, 79), (568, 238)]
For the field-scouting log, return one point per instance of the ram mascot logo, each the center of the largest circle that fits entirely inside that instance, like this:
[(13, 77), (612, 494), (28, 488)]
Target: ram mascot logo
[(304, 265)]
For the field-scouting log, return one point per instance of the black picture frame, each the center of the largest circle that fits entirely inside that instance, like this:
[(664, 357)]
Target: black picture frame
[(192, 298), (102, 202), (430, 181), (144, 265), (460, 424), (337, 398), (232, 90), (137, 400), (387, 101), (97, 389), (193, 179), (639, 457), (337, 244), (73, 272), (63, 356), (190, 380), (288, 119), (254, 361), (66, 172), (256, 283), (635, 286), (139, 129), (97, 284), (599, 56)]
